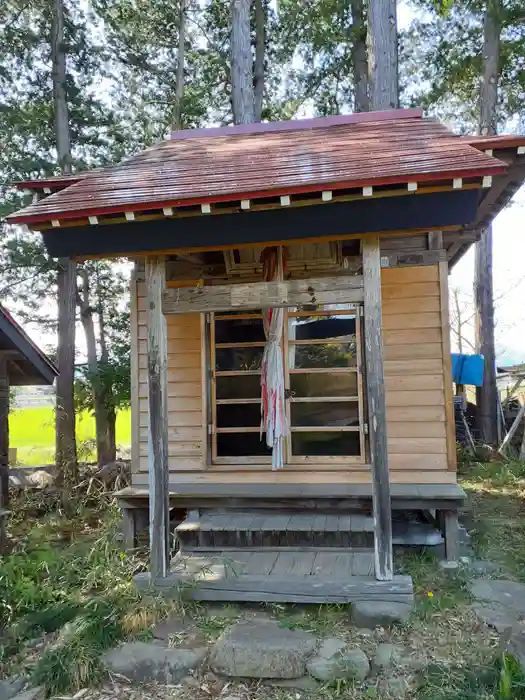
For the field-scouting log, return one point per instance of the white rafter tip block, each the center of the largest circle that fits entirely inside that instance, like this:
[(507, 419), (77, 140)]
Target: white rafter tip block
[(457, 183), (521, 150), (368, 191), (326, 196), (47, 190), (285, 201), (130, 216), (487, 181), (245, 203), (93, 220), (206, 208), (167, 211), (55, 223), (488, 151), (411, 186)]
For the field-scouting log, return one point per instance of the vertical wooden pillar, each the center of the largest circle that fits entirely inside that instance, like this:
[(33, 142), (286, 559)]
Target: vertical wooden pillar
[(375, 386), (157, 345)]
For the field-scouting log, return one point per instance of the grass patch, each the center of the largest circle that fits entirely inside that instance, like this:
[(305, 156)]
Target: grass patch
[(68, 580), (32, 432), (496, 510), (436, 590), (501, 680)]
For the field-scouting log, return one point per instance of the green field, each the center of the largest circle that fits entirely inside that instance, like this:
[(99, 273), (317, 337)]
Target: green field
[(32, 432)]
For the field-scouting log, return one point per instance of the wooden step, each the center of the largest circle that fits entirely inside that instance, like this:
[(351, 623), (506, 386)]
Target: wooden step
[(266, 529), (270, 575)]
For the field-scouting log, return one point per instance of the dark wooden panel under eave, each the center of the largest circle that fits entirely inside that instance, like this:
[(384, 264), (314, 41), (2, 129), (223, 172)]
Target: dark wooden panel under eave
[(438, 209)]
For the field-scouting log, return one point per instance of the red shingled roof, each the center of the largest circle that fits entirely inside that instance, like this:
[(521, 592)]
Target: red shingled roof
[(261, 160)]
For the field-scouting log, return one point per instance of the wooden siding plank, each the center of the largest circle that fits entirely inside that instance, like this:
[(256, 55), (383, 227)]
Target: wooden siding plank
[(414, 398), (176, 360), (190, 419), (413, 336), (409, 321), (183, 434), (416, 445), (410, 275), (192, 403), (414, 382), (412, 429), (134, 376), (412, 305), (189, 374), (407, 291), (409, 462), (426, 414), (431, 350), (419, 367), (180, 390)]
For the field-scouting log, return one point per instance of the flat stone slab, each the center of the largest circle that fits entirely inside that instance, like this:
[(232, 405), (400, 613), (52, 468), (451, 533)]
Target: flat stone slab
[(372, 614), (146, 663), (11, 687), (510, 594), (262, 649), (172, 626), (516, 645), (501, 603), (495, 615)]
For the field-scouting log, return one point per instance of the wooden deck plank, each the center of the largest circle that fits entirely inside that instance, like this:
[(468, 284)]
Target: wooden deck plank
[(286, 588), (261, 563), (293, 564), (324, 563), (363, 564)]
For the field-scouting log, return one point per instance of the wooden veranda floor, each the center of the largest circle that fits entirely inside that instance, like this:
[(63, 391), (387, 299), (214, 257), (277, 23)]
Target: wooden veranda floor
[(280, 575)]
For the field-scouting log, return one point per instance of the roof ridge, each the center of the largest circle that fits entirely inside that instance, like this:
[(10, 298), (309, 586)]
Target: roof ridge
[(298, 124)]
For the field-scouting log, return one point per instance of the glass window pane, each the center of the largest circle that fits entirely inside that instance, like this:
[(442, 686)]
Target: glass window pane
[(241, 330), (238, 415), (323, 355), (229, 359), (325, 444), (321, 327), (242, 444), (239, 387), (321, 384), (340, 414)]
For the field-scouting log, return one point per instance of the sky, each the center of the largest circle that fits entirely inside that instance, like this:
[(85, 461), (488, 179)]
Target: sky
[(509, 283)]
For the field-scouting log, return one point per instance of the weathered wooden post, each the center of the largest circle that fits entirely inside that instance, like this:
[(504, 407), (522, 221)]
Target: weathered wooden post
[(375, 384), (157, 346)]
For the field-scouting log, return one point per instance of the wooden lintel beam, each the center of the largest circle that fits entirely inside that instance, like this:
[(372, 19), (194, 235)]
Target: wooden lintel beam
[(375, 385), (256, 295), (157, 345), (413, 258)]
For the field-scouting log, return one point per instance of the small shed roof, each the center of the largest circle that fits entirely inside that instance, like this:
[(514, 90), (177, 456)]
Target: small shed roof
[(254, 161), (27, 364)]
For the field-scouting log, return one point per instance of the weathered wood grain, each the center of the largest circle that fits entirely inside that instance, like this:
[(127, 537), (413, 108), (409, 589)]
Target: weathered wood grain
[(157, 362), (256, 295), (375, 385)]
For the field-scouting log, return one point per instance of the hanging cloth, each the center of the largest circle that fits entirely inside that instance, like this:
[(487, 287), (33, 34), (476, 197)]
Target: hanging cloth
[(273, 411)]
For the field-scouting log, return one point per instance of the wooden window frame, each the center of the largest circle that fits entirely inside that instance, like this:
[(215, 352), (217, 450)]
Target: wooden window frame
[(292, 462)]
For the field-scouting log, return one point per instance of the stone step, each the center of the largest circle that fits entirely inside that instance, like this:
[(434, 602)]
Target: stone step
[(242, 529)]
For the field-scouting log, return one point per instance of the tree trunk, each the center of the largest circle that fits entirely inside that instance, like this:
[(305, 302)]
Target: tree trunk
[(382, 54), (66, 453), (487, 394), (260, 31), (241, 63), (179, 82), (359, 57), (109, 449), (95, 379), (4, 435), (491, 68)]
